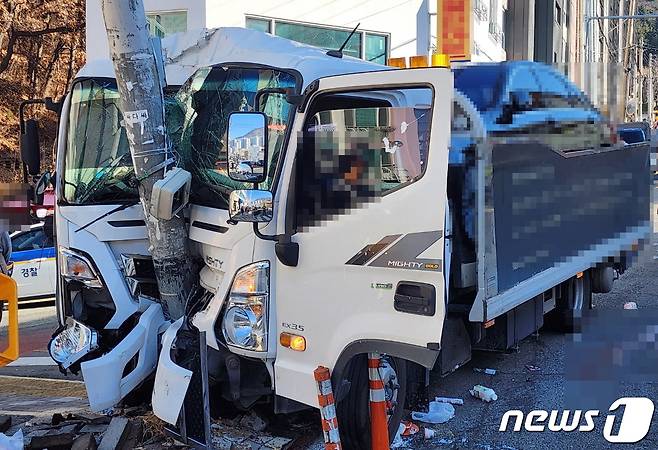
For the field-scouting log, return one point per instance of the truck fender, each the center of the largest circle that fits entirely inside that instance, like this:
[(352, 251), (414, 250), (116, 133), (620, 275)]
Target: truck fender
[(423, 356)]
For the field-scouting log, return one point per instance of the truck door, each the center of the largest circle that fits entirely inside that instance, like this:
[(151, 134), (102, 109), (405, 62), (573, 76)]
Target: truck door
[(369, 181)]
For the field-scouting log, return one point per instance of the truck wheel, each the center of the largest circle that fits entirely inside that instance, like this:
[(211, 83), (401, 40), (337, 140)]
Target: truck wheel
[(576, 302), (354, 410)]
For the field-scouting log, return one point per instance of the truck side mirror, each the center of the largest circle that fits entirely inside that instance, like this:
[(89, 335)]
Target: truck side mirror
[(30, 151), (41, 186), (251, 205), (247, 147)]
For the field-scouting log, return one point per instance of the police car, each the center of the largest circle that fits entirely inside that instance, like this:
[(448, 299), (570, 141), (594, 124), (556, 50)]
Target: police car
[(33, 257)]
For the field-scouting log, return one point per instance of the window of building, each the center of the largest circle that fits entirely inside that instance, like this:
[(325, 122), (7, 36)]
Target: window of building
[(368, 45), (163, 24), (263, 25)]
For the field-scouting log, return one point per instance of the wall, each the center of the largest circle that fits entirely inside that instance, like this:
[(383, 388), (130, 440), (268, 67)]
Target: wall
[(520, 30)]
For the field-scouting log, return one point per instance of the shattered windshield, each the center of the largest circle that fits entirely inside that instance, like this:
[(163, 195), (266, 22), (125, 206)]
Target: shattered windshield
[(205, 103), (98, 167)]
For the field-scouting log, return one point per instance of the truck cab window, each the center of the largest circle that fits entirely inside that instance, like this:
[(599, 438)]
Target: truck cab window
[(355, 149)]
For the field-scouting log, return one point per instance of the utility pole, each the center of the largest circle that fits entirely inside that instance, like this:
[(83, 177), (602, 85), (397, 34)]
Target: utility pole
[(651, 101), (640, 94), (142, 103)]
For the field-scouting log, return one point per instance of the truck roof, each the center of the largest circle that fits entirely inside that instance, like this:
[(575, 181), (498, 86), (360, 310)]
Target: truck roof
[(187, 52)]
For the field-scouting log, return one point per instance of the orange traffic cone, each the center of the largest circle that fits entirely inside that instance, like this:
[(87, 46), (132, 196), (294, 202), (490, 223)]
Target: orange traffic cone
[(378, 419), (327, 409)]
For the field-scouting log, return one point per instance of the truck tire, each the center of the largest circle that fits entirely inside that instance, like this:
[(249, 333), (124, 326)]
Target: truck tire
[(576, 301), (353, 411)]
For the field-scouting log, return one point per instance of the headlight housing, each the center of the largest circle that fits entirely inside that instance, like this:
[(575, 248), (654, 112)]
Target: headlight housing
[(245, 316), (75, 267), (72, 343)]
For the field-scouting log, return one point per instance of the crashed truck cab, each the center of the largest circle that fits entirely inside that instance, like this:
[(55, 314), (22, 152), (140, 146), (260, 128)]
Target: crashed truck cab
[(112, 325)]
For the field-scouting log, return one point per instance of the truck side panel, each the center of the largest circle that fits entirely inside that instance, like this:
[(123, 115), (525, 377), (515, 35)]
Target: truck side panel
[(550, 207)]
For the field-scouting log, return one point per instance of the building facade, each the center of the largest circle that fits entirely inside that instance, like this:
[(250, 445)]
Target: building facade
[(388, 28)]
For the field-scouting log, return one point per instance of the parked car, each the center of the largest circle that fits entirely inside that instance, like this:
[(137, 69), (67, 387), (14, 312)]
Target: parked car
[(33, 256)]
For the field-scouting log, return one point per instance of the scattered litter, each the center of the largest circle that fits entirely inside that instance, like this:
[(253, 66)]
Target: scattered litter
[(532, 368), (14, 442), (429, 433), (438, 413), (397, 442), (483, 393), (410, 428), (630, 305), (254, 422), (486, 371), (451, 400)]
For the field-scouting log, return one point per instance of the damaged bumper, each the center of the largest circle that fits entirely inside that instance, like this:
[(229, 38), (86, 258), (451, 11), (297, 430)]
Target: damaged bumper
[(171, 380), (104, 377)]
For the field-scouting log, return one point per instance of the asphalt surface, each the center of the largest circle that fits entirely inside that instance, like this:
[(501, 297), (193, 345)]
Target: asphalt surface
[(549, 371)]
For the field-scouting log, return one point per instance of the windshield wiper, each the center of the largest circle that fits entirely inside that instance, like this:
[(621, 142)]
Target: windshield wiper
[(109, 213), (104, 174)]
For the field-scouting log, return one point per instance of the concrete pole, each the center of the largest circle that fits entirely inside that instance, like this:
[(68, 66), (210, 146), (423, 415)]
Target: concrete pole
[(641, 79), (142, 103), (651, 101)]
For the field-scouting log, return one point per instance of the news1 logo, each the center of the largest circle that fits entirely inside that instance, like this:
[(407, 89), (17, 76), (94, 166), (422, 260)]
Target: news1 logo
[(634, 426)]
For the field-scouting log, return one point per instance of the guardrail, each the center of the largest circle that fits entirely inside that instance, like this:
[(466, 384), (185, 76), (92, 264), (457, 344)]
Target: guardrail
[(9, 295)]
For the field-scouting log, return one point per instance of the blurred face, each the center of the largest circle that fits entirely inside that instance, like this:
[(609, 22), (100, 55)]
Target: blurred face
[(14, 206)]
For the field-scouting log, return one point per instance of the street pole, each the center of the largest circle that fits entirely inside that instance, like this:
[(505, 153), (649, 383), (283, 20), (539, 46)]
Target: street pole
[(142, 103), (650, 102), (640, 94)]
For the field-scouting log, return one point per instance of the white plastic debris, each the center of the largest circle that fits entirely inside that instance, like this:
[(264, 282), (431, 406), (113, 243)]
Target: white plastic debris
[(451, 400), (485, 371), (438, 413), (397, 441), (429, 433), (630, 305), (483, 393), (14, 442)]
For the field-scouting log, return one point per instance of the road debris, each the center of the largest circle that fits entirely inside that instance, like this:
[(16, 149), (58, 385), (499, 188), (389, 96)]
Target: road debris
[(451, 400), (630, 305), (532, 368), (483, 393), (485, 371), (438, 413), (410, 428), (429, 433), (397, 441), (14, 442)]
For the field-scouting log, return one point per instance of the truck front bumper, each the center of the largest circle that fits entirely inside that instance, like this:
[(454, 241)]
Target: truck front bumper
[(106, 385)]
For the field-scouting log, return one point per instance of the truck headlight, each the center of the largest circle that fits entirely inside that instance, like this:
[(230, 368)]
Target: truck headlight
[(72, 343), (245, 319), (76, 267)]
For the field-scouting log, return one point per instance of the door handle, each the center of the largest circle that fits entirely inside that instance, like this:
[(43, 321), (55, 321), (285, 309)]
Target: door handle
[(415, 298)]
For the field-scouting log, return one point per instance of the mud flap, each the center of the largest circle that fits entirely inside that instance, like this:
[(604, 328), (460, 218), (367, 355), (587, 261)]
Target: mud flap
[(171, 380), (104, 377)]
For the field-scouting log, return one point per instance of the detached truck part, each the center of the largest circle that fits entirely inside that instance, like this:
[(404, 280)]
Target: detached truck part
[(339, 209)]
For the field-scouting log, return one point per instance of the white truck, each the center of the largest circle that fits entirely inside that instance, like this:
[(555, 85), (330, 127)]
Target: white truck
[(390, 213)]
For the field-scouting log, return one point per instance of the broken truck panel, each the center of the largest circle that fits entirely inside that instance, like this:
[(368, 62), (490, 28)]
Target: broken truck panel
[(106, 379), (171, 380)]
